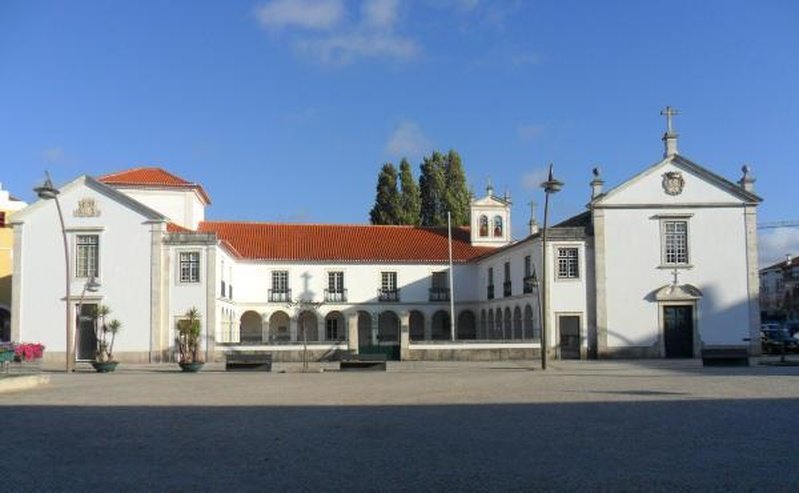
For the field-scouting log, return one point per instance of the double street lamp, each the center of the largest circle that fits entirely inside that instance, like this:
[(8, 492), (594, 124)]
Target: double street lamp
[(550, 187)]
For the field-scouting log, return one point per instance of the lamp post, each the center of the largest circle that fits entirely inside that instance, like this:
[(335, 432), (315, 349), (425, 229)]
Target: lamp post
[(91, 285), (47, 192), (550, 186)]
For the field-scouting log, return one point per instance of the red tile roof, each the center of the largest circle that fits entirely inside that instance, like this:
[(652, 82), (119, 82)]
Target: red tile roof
[(177, 228), (153, 178), (344, 243)]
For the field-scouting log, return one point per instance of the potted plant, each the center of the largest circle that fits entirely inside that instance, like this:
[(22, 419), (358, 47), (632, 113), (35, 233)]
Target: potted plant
[(106, 333), (188, 341)]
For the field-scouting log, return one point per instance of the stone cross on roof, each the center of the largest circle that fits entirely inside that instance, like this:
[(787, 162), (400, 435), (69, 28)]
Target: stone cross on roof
[(669, 112)]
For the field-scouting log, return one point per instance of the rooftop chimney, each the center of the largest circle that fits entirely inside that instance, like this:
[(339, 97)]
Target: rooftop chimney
[(670, 137), (533, 224)]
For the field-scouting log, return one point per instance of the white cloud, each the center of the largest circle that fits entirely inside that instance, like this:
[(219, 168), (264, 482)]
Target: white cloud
[(346, 48), (775, 243), (533, 179), (380, 13), (530, 132), (408, 140), (306, 14), (53, 155)]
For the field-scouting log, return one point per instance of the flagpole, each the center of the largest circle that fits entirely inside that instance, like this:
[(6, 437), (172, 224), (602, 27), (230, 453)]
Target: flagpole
[(451, 285)]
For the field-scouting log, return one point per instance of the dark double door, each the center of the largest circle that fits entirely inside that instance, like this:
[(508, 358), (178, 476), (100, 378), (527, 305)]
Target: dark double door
[(678, 331), (86, 339)]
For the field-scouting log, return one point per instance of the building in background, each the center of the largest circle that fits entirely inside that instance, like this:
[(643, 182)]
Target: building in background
[(779, 290), (8, 206)]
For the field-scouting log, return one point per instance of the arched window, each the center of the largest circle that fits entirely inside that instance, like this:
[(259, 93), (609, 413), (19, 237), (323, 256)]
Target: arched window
[(498, 226), (483, 226)]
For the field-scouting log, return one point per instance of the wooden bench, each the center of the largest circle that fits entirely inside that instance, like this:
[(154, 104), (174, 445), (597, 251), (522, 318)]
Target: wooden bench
[(725, 356), (239, 361), (368, 362)]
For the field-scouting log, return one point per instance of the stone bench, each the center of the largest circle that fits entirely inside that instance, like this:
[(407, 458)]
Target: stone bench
[(725, 356), (369, 362), (239, 361)]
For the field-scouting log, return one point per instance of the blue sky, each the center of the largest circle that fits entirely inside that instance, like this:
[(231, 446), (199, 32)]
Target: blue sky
[(286, 109)]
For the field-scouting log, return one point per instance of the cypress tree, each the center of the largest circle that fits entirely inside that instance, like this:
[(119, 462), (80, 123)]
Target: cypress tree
[(432, 189), (456, 194), (387, 201), (410, 202)]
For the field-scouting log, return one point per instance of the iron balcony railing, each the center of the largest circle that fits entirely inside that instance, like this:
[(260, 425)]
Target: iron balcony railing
[(388, 294), (490, 291), (439, 294), (279, 295), (506, 289), (336, 296)]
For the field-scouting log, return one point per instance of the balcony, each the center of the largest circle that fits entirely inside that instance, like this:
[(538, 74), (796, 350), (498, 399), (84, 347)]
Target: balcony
[(439, 294), (528, 285), (336, 296), (391, 295), (279, 295), (490, 292)]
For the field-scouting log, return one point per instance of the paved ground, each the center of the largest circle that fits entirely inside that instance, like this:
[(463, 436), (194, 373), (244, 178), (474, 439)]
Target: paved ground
[(598, 426)]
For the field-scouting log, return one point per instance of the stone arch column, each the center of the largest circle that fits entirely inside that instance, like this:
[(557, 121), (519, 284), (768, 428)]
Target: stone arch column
[(405, 335), (352, 331)]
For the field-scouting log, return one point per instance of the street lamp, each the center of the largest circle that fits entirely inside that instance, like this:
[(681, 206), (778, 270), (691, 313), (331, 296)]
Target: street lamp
[(550, 186), (47, 192)]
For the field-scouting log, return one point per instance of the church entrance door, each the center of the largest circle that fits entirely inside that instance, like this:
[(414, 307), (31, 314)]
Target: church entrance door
[(86, 340), (678, 331), (569, 328)]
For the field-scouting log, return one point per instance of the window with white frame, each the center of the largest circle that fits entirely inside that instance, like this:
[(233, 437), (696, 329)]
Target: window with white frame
[(335, 282), (388, 281), (568, 263), (332, 329), (280, 281), (87, 259), (528, 266), (189, 266), (675, 242), (440, 280)]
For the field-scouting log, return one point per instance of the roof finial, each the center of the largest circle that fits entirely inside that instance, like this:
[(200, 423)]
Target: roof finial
[(670, 137), (489, 188), (533, 224)]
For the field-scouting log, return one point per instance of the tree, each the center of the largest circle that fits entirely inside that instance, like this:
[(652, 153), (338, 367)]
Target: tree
[(410, 202), (387, 202), (432, 189), (457, 197)]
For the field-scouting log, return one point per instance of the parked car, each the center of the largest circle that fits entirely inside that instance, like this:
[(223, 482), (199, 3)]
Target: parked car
[(774, 339)]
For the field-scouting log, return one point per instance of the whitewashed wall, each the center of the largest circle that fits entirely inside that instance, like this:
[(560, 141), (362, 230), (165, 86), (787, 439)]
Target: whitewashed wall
[(181, 206)]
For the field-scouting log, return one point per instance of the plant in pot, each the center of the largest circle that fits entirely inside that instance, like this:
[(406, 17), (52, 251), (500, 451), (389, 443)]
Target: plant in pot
[(189, 329), (106, 333)]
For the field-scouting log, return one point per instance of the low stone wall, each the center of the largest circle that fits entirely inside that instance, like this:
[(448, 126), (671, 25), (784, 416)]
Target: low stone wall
[(474, 354), (632, 352)]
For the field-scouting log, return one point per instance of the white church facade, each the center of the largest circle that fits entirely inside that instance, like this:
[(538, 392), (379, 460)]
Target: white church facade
[(663, 265)]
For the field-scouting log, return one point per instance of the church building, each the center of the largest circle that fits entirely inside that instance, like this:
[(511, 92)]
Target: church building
[(661, 266)]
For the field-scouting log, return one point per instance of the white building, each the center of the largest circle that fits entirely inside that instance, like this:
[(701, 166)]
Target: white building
[(660, 266)]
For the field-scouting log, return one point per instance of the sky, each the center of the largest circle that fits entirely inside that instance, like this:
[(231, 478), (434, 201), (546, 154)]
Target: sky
[(286, 109)]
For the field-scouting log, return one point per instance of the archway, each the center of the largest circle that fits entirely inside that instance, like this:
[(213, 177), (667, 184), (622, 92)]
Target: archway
[(307, 327), (528, 322), (483, 322), (490, 333), (388, 327), (416, 323), (279, 327), (250, 327), (467, 328), (517, 323), (364, 329), (440, 328), (335, 329), (5, 324), (508, 332), (498, 324)]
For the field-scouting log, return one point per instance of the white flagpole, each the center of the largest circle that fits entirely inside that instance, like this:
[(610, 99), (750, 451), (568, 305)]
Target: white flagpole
[(451, 285)]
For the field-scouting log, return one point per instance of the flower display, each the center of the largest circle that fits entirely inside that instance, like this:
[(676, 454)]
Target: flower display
[(28, 351)]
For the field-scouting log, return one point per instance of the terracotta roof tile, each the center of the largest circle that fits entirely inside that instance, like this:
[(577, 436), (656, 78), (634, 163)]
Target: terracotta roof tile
[(176, 228), (151, 177), (345, 243)]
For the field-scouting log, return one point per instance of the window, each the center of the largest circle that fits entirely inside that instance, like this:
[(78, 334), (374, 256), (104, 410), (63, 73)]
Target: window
[(528, 266), (332, 329), (224, 289), (335, 287), (675, 242), (440, 280), (506, 285), (483, 226), (2, 219), (88, 250), (388, 281), (439, 291), (490, 287), (507, 271), (189, 266), (280, 281), (568, 263), (497, 226)]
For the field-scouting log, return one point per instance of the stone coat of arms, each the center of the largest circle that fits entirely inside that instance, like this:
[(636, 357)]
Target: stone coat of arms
[(673, 182)]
